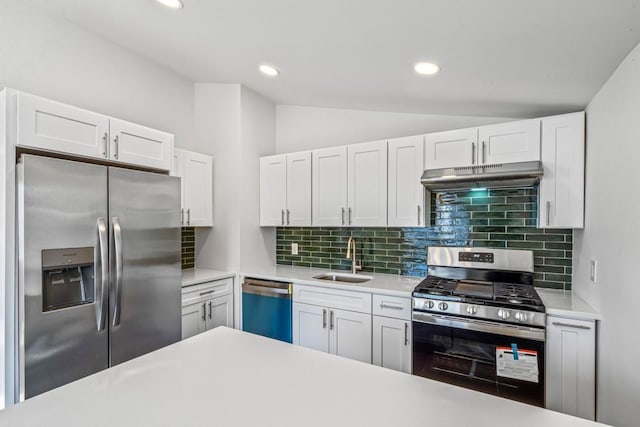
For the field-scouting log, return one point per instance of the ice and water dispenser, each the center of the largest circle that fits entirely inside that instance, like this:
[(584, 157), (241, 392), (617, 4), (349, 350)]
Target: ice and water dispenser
[(67, 277)]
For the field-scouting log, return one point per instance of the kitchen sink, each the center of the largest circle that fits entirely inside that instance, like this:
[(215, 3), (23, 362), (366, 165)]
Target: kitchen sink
[(345, 278)]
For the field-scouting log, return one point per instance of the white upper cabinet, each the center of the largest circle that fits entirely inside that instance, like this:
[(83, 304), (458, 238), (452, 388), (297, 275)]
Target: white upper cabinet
[(406, 198), (329, 186), (450, 149), (196, 173), (509, 142), (298, 212), (273, 190), (285, 190), (140, 145), (367, 184), (52, 126), (561, 193)]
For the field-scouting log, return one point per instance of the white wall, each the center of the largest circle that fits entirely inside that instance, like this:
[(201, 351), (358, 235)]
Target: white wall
[(305, 128), (258, 135), (58, 60), (612, 237)]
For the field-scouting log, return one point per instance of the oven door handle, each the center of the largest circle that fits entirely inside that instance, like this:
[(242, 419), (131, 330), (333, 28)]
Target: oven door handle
[(535, 334)]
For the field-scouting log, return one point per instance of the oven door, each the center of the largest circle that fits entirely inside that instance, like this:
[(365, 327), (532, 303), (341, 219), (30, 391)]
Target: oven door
[(500, 359)]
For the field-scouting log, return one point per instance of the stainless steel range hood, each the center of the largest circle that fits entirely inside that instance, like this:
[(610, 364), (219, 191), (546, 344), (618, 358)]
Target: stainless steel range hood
[(522, 174)]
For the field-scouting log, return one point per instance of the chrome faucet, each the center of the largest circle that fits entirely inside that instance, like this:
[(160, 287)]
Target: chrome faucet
[(351, 246)]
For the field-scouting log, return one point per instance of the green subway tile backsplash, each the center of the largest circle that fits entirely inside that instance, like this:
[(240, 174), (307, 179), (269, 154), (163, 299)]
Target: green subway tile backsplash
[(188, 247), (504, 218)]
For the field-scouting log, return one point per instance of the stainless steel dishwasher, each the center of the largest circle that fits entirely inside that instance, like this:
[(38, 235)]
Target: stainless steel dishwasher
[(267, 308)]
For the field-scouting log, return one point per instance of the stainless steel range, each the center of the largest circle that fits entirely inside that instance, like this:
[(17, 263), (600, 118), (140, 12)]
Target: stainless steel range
[(479, 323)]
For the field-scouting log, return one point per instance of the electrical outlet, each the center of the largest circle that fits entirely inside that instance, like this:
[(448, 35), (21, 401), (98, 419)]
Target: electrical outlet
[(294, 249), (594, 271)]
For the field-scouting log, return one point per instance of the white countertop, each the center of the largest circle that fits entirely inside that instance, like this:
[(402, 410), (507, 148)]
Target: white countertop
[(231, 378), (566, 304), (193, 276), (386, 284)]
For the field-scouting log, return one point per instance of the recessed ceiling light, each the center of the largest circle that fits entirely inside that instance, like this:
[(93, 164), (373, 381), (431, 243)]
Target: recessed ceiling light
[(269, 70), (172, 4), (426, 68)]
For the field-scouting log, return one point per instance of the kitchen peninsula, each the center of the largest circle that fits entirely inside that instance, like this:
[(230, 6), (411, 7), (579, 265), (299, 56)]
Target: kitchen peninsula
[(231, 378)]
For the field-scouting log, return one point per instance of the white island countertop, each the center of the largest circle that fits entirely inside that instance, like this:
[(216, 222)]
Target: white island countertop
[(387, 284), (566, 304), (228, 378), (194, 276)]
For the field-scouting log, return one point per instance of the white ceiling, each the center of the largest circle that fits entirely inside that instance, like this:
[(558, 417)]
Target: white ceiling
[(511, 58)]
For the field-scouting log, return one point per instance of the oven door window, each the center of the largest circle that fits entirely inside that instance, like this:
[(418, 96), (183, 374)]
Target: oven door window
[(468, 359)]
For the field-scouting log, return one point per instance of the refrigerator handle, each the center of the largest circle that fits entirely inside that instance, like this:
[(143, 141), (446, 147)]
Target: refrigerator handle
[(117, 241), (101, 297)]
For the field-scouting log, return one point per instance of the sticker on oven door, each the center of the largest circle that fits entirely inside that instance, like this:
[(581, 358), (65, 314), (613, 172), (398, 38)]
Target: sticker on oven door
[(517, 364)]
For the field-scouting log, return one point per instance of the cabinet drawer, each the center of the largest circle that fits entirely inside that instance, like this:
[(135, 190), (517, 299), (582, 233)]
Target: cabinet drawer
[(334, 298), (389, 306), (203, 291)]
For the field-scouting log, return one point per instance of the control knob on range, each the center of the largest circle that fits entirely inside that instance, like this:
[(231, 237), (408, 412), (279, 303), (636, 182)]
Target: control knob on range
[(521, 317), (503, 314), (472, 309), (443, 306), (429, 304)]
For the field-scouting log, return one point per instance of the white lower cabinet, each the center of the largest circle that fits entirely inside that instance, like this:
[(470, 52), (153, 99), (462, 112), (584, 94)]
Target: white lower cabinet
[(571, 366), (206, 306), (392, 343)]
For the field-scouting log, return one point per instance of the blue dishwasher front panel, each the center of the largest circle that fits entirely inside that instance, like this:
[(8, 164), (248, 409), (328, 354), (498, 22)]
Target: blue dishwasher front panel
[(267, 316)]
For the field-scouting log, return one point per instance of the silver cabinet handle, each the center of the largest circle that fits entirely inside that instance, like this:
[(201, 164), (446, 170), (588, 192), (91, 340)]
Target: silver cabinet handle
[(395, 307), (210, 309), (330, 319), (207, 292), (204, 311), (188, 216), (116, 140), (324, 318), (473, 153), (418, 214), (117, 243), (484, 152), (105, 143), (182, 216), (342, 216), (350, 215), (569, 325), (288, 217), (406, 333), (282, 216), (548, 212), (102, 302)]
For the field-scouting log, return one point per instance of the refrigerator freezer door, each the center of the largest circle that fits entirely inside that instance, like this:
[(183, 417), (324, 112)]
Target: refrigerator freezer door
[(144, 220), (62, 206)]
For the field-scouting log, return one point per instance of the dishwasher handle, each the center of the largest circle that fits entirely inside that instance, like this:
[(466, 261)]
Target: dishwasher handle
[(267, 288)]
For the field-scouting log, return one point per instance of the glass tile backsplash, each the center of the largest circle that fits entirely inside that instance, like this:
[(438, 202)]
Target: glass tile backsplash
[(500, 218)]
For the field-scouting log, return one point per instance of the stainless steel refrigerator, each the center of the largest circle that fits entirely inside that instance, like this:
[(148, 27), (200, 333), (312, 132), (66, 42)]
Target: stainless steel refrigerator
[(98, 266)]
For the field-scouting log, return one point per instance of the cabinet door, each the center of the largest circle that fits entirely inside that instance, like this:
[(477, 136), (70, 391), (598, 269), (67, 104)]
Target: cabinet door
[(193, 319), (52, 126), (571, 366), (197, 190), (406, 200), (140, 145), (367, 184), (310, 326), (329, 186), (392, 343), (177, 169), (220, 312), (273, 190), (450, 149), (350, 334), (299, 189), (509, 142), (562, 185)]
